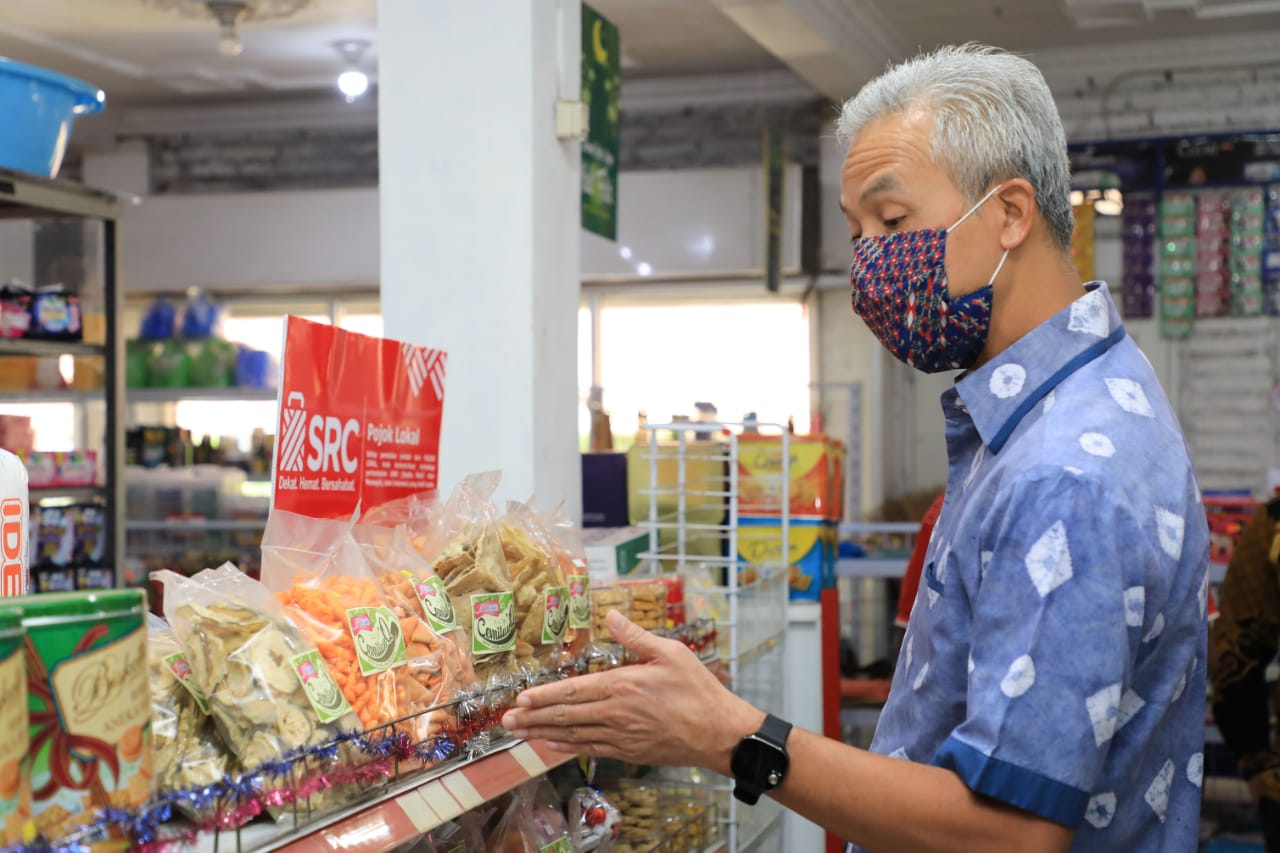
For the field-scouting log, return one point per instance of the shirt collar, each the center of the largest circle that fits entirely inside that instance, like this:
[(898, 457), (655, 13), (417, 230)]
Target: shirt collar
[(999, 394)]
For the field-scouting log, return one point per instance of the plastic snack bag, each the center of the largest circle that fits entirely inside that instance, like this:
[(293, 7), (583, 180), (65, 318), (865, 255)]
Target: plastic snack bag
[(389, 664), (186, 751), (269, 690), (566, 537), (533, 823), (466, 554), (541, 595), (594, 822), (462, 835)]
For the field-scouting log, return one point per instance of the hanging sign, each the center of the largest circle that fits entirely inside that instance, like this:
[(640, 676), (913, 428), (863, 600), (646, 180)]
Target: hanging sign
[(601, 92), (359, 420)]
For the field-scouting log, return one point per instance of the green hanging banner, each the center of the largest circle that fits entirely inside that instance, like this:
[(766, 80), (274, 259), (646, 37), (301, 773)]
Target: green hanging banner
[(601, 92)]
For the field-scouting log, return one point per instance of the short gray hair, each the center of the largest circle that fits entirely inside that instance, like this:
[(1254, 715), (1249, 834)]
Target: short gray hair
[(994, 119)]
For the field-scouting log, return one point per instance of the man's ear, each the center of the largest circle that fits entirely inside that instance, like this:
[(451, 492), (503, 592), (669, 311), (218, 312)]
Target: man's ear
[(1018, 206)]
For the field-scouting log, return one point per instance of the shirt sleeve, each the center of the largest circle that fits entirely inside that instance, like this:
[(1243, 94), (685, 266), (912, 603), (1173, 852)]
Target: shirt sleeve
[(1053, 622)]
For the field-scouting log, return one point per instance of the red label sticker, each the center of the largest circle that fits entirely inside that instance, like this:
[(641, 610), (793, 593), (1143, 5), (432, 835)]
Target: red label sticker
[(359, 420)]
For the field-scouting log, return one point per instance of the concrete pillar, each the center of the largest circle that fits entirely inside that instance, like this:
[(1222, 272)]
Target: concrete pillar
[(480, 221)]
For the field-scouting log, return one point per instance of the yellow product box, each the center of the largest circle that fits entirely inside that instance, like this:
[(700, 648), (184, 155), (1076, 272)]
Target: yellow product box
[(760, 484), (811, 553)]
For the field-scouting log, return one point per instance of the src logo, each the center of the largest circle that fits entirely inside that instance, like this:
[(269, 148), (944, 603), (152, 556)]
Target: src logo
[(328, 439)]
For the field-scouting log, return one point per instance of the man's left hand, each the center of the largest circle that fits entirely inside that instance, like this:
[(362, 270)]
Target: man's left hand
[(668, 709)]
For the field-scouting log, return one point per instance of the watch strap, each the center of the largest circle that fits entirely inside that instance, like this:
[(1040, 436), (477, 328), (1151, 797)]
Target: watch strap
[(775, 732)]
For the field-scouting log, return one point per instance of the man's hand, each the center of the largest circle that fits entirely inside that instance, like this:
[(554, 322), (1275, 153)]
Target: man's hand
[(668, 709)]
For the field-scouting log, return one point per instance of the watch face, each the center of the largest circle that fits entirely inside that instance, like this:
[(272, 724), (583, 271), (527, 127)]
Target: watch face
[(759, 764)]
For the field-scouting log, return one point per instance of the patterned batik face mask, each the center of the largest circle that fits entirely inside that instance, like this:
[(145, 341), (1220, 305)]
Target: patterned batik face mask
[(900, 291)]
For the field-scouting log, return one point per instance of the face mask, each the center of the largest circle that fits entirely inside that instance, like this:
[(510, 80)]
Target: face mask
[(900, 291)]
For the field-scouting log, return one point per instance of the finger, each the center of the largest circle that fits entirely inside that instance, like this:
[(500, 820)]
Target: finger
[(571, 691), (568, 736), (555, 715), (637, 640)]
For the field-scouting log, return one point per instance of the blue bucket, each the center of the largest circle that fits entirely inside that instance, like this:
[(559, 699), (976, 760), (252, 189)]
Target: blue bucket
[(38, 106)]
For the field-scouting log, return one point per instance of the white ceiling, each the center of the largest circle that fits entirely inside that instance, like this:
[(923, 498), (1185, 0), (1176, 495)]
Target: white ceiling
[(136, 51)]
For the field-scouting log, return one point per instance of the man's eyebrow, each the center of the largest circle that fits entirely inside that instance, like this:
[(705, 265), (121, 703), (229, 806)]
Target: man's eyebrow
[(882, 184)]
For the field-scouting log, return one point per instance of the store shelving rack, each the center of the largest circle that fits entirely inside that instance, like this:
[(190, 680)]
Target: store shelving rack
[(689, 536), (24, 196)]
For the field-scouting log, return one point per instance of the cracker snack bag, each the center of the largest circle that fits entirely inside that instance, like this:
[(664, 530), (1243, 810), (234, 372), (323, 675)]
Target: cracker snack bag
[(268, 688), (466, 554), (387, 661), (186, 749), (571, 553), (541, 595)]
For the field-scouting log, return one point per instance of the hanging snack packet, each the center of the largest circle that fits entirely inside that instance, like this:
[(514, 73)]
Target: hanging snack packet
[(187, 751), (466, 554), (541, 595), (389, 664), (594, 822), (269, 690), (571, 554), (533, 823)]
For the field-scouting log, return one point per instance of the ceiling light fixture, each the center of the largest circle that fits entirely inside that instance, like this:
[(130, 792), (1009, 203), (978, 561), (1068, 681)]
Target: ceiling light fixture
[(230, 15), (352, 82)]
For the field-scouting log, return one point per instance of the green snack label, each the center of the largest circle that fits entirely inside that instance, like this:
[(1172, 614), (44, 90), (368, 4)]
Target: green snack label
[(378, 639), (181, 669), (556, 619), (322, 691), (436, 605), (493, 623), (560, 845), (579, 601)]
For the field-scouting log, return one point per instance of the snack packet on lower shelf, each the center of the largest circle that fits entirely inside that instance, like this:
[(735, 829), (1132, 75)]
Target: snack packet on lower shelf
[(269, 690), (466, 554), (186, 750), (391, 667), (541, 595), (533, 823)]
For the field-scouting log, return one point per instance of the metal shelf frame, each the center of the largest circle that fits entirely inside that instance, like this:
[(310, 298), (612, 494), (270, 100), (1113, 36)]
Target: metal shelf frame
[(24, 196)]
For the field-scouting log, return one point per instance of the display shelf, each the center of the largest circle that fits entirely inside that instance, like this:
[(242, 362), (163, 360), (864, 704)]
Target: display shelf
[(39, 349), (871, 567), (176, 395), (75, 493), (195, 525), (50, 395), (401, 812), (27, 196)]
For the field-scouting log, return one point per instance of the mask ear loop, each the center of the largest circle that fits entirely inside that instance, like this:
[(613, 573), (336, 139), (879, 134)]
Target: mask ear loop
[(999, 267), (974, 209)]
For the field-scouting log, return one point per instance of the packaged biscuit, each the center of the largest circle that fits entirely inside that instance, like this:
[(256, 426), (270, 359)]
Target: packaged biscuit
[(15, 768), (269, 689), (648, 603), (388, 662), (541, 595), (466, 554), (187, 750), (532, 823), (88, 703)]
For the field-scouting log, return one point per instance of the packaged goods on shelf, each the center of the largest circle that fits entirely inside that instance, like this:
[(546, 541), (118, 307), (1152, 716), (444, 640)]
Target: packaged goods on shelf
[(613, 552), (567, 539), (541, 595), (388, 662), (466, 554), (815, 485), (269, 689), (533, 823), (658, 816), (648, 603), (68, 548), (61, 470), (15, 526), (90, 748), (15, 765), (811, 550), (187, 750)]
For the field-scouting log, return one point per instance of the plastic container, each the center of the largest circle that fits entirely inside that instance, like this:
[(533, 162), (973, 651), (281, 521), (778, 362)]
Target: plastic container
[(15, 768), (39, 106), (87, 684)]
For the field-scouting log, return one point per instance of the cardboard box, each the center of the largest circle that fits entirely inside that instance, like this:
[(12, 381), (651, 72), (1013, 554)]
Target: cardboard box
[(812, 553), (811, 489), (614, 552)]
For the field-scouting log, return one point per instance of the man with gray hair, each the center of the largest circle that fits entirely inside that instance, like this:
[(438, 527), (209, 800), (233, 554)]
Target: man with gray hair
[(1050, 693)]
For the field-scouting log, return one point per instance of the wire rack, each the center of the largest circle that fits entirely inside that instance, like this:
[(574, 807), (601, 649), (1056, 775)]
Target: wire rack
[(693, 522)]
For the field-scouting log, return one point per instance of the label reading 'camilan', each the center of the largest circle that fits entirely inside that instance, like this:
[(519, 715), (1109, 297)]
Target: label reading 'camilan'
[(556, 619), (181, 669), (493, 623), (579, 601), (436, 605), (322, 691), (378, 639)]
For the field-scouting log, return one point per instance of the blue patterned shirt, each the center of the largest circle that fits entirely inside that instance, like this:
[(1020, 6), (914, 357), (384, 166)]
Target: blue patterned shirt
[(1055, 657)]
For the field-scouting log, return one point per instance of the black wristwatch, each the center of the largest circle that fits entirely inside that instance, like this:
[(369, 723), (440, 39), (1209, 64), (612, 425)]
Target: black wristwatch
[(760, 761)]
